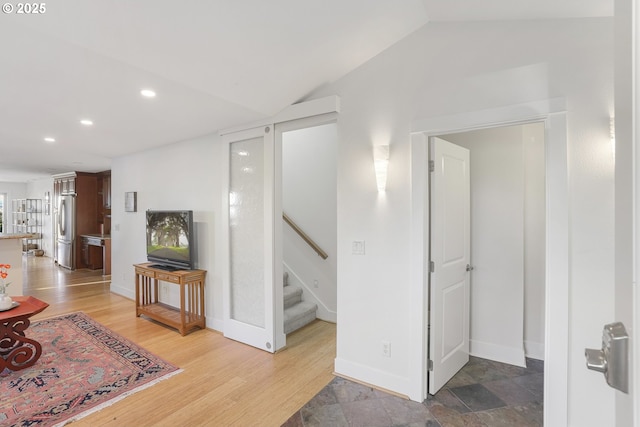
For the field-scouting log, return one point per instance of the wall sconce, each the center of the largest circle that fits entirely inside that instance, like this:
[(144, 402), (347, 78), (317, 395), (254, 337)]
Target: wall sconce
[(612, 135), (381, 165)]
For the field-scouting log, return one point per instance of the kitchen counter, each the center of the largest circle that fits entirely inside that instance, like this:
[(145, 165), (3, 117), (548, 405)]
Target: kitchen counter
[(9, 236), (98, 235)]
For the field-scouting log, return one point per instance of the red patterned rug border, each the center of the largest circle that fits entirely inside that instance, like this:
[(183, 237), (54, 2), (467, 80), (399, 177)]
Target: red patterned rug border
[(116, 399), (138, 358)]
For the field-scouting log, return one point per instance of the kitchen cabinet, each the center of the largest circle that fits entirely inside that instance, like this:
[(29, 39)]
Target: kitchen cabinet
[(104, 201), (96, 252), (90, 209), (82, 187), (106, 190), (68, 185), (92, 252)]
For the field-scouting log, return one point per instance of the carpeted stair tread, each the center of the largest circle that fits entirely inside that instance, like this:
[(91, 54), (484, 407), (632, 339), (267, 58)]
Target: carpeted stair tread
[(292, 295)]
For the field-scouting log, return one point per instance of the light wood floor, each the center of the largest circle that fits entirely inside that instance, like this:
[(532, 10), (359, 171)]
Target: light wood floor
[(224, 383)]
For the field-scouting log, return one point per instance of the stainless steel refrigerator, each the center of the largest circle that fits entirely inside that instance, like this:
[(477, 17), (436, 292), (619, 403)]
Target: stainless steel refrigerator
[(66, 230)]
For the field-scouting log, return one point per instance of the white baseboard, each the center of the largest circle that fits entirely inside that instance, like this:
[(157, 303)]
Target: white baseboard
[(534, 350), (125, 291), (498, 353), (374, 377), (215, 324)]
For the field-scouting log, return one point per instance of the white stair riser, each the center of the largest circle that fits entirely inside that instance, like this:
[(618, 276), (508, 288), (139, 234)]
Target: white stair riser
[(299, 315), (292, 296)]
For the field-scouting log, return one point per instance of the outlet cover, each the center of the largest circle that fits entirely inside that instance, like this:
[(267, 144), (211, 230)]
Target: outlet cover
[(357, 247), (386, 348)]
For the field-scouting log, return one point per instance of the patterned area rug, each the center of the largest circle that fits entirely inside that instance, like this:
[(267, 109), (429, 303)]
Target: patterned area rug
[(83, 368)]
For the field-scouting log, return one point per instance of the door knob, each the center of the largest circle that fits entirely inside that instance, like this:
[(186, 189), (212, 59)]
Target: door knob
[(469, 267)]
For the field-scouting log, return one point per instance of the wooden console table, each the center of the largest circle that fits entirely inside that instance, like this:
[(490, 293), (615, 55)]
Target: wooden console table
[(191, 311)]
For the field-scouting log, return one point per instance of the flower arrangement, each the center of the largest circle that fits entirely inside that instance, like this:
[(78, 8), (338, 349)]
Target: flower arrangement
[(3, 275)]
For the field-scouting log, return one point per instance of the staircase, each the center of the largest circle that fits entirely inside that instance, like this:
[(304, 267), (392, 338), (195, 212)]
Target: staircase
[(297, 313)]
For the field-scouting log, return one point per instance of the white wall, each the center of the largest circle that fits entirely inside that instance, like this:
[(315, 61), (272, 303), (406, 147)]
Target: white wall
[(446, 69), (184, 175), (497, 243), (309, 199)]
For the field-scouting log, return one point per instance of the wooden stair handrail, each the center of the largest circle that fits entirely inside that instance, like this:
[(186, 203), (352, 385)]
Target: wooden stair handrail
[(305, 237)]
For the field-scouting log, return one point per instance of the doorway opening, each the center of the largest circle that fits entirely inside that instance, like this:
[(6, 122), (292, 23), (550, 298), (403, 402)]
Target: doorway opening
[(507, 268), (309, 220), (552, 112)]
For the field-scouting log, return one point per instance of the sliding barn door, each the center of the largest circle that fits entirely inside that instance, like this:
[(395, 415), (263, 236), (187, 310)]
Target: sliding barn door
[(249, 212)]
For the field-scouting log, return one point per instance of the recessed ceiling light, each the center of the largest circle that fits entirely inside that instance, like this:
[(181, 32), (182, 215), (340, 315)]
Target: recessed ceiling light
[(49, 139), (148, 93), (86, 122)]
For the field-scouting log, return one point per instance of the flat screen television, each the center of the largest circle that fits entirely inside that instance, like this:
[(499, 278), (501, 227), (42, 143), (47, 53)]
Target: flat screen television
[(170, 239)]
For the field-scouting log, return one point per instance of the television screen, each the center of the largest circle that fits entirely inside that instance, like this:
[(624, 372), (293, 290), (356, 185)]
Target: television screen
[(170, 239)]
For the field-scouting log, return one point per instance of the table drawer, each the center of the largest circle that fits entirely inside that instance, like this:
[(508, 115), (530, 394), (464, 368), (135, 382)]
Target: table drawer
[(167, 277), (143, 272)]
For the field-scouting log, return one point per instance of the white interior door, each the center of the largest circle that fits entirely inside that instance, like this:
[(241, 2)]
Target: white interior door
[(450, 250), (249, 314)]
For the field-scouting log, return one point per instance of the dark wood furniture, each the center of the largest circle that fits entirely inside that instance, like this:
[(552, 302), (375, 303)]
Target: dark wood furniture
[(189, 315), (85, 188), (92, 216), (18, 351), (104, 201), (96, 252)]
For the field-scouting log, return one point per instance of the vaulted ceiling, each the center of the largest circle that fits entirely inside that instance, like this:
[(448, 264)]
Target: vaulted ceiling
[(213, 64)]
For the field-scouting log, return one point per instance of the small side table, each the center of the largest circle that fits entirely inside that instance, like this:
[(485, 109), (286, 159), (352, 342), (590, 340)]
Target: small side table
[(18, 351), (191, 282)]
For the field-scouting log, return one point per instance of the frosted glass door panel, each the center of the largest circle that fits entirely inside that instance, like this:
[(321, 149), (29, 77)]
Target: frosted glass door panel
[(246, 231)]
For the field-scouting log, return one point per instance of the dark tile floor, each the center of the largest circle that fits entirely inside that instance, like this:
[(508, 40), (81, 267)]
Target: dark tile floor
[(483, 394)]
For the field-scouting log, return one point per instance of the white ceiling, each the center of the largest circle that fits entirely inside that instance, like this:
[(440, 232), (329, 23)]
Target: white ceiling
[(214, 64)]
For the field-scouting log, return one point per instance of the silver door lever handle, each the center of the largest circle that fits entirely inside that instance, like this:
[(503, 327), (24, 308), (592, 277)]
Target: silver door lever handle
[(613, 359)]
